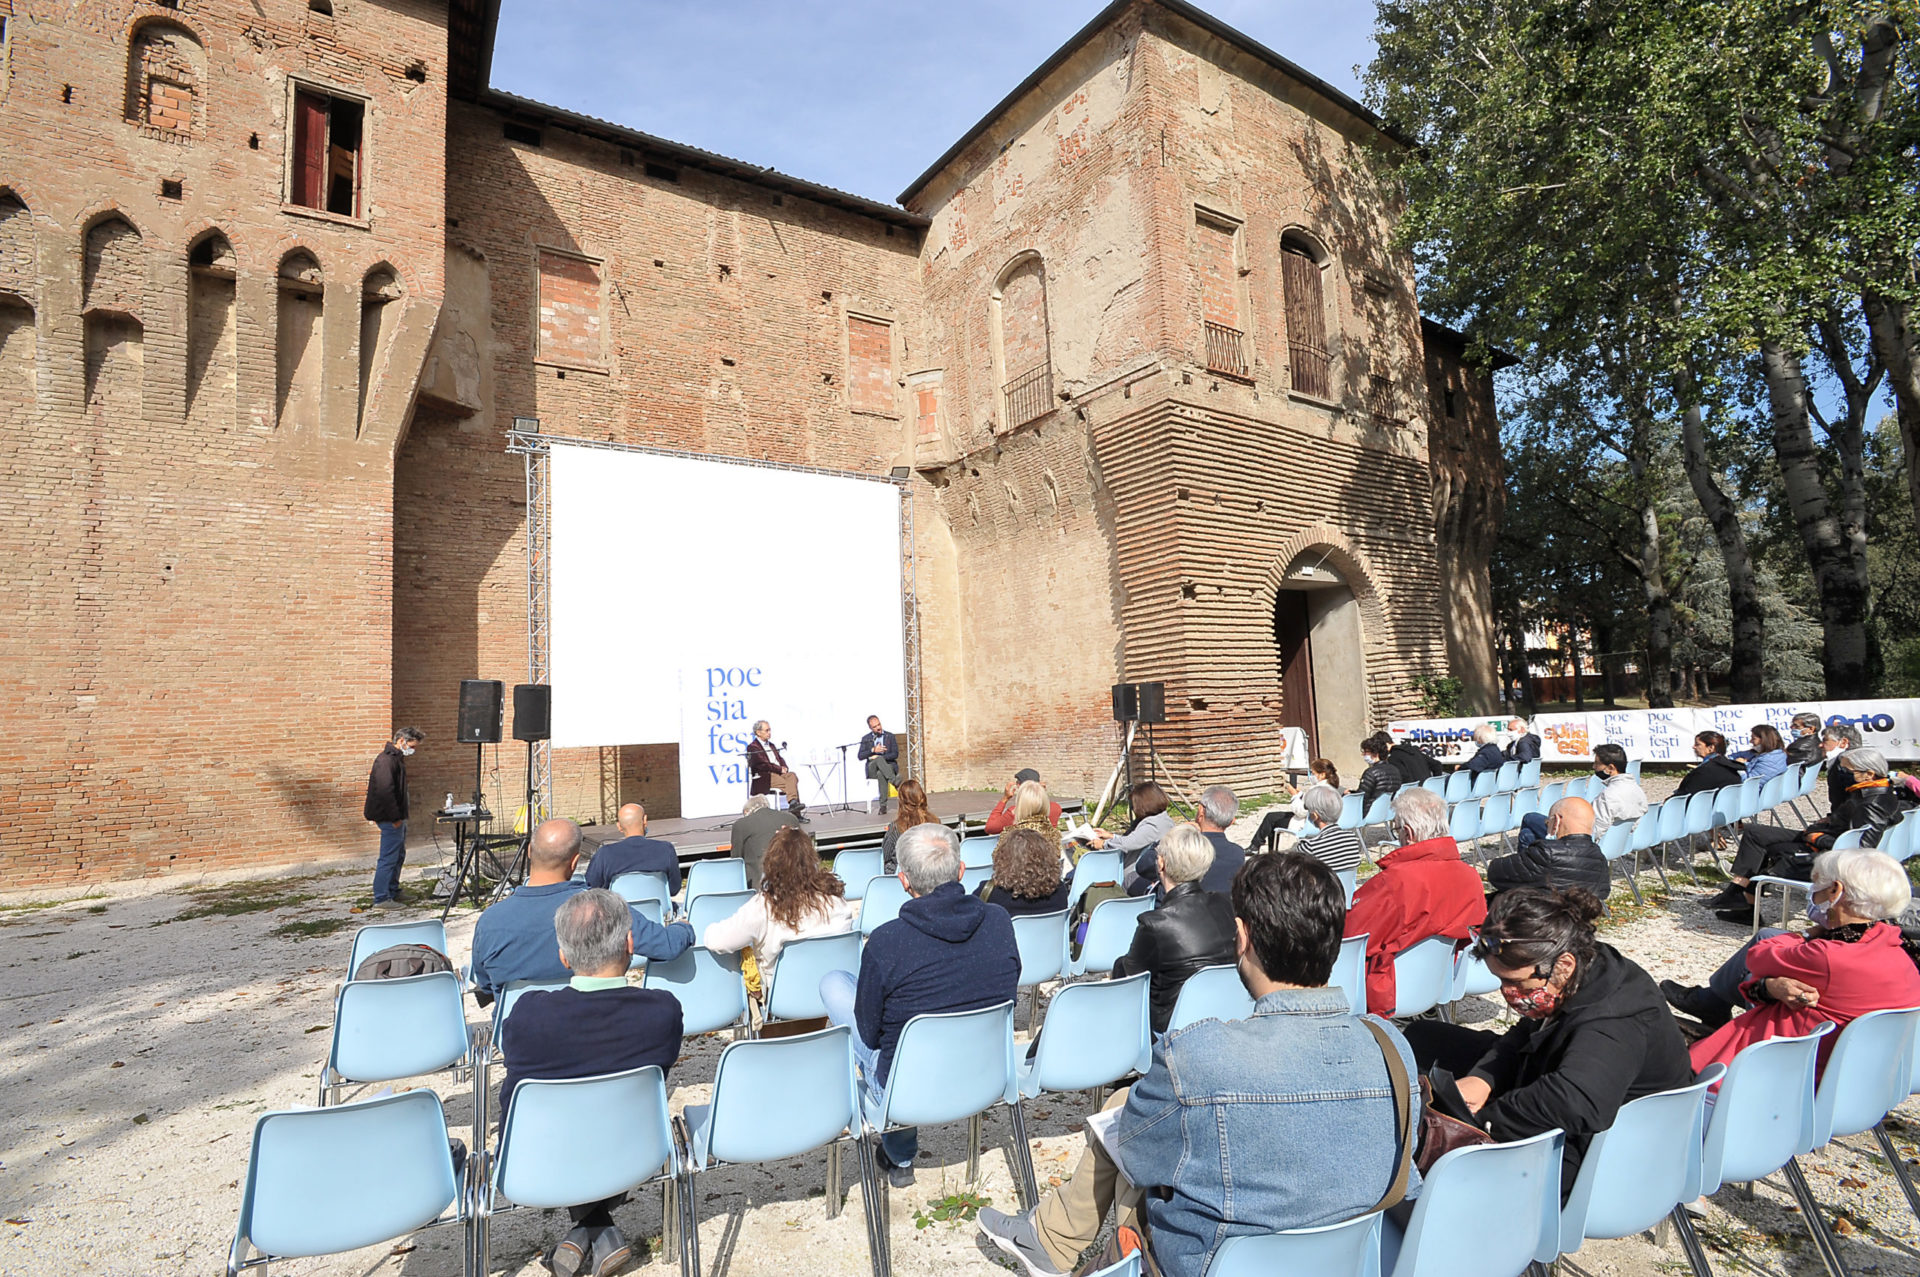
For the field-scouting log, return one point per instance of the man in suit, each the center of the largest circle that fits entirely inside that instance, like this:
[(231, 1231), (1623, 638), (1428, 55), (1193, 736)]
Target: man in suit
[(753, 833), (597, 1024), (769, 771), (881, 752), (634, 853)]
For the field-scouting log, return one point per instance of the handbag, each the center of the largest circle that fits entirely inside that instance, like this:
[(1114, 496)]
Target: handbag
[(1441, 1133)]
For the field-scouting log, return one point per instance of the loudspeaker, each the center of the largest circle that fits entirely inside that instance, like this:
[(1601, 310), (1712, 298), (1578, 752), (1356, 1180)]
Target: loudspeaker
[(481, 702), (1153, 702), (532, 710), (1126, 702)]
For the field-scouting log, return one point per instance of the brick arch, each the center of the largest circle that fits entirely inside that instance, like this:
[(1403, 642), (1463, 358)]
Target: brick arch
[(1324, 539), (94, 214)]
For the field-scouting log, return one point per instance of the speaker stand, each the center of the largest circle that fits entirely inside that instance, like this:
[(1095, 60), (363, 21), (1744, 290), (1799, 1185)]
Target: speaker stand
[(466, 846), (517, 868)]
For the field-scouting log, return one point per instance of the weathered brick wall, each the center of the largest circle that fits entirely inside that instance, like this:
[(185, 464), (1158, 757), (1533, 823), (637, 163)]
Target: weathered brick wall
[(194, 668)]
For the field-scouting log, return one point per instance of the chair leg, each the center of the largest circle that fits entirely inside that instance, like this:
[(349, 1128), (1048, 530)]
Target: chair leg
[(1023, 1159), (1899, 1167), (833, 1180), (673, 1236), (1816, 1224), (1690, 1242), (1632, 874), (973, 1150)]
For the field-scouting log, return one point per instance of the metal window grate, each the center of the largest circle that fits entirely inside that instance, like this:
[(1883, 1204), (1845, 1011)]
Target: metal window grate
[(1380, 399), (1226, 350), (1030, 394)]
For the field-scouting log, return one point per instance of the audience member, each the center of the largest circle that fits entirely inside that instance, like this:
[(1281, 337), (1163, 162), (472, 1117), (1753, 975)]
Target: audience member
[(1026, 874), (1593, 1034), (880, 751), (1714, 771), (769, 771), (1769, 756), (1835, 740), (1851, 963), (758, 822), (1032, 809), (1190, 928), (514, 938), (1218, 808), (1487, 757), (947, 951), (1423, 889), (1621, 798), (1002, 815), (1380, 776), (1147, 803), (798, 897), (1524, 746), (1286, 1119), (913, 811), (1268, 834), (1563, 854), (1340, 850), (1804, 748), (634, 852), (1412, 762), (1872, 803), (597, 1024)]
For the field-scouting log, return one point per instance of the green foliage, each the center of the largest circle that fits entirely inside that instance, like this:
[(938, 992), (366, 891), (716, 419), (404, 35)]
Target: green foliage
[(1438, 695), (953, 1209)]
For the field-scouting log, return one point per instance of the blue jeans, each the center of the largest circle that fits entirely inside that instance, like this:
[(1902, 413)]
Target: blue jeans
[(1533, 828), (837, 989), (1733, 973), (393, 856)]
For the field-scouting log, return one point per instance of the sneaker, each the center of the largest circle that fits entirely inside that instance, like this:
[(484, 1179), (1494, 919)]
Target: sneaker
[(609, 1255), (1698, 1003), (569, 1255), (897, 1176), (382, 906), (1016, 1235)]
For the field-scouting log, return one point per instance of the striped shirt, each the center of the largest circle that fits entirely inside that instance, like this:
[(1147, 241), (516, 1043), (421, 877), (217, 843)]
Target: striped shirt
[(1339, 849)]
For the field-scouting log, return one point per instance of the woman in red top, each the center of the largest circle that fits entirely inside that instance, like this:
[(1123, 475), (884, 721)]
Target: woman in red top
[(1851, 963)]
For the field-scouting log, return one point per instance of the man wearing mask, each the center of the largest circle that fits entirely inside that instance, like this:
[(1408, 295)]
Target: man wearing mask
[(386, 807)]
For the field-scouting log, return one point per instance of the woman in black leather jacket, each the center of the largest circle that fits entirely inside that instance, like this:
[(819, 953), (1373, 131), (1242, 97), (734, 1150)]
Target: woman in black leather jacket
[(1714, 770), (1188, 930)]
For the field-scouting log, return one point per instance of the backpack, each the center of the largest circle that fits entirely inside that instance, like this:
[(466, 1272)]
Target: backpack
[(396, 961)]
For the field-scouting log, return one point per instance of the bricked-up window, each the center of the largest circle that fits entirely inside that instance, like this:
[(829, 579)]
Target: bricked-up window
[(572, 327), (328, 156), (1309, 359), (1216, 249), (1026, 354), (166, 72), (869, 365)]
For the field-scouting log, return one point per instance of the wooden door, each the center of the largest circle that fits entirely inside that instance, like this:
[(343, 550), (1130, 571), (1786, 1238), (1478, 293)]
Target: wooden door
[(1292, 632)]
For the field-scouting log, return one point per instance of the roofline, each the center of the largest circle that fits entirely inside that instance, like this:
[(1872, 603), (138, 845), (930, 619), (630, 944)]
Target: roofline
[(693, 157), (1497, 358), (1198, 17)]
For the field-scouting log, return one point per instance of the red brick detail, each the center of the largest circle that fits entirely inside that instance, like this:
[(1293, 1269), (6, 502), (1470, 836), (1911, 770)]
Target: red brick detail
[(570, 309), (1023, 318), (927, 411), (869, 365), (1219, 274)]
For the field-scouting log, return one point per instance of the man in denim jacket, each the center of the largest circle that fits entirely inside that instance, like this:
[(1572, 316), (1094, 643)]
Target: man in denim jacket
[(1282, 1120)]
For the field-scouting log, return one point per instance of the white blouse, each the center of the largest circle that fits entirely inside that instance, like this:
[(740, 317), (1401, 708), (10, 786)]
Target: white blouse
[(751, 924)]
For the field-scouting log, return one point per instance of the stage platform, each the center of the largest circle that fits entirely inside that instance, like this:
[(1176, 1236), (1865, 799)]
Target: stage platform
[(832, 829)]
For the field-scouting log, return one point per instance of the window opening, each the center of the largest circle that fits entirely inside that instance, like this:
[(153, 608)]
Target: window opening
[(328, 168)]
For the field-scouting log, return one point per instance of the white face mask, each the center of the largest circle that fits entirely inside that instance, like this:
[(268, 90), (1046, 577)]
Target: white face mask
[(407, 750)]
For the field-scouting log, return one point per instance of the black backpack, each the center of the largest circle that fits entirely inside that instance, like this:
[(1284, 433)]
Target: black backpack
[(396, 961)]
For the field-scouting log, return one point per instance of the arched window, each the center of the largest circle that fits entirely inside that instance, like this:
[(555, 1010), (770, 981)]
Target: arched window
[(18, 272), (298, 342), (211, 336), (17, 336), (1025, 352), (378, 314), (1303, 267), (113, 285), (166, 78)]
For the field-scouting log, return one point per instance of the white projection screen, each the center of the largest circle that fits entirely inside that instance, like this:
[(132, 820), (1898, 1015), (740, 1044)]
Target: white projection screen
[(691, 597)]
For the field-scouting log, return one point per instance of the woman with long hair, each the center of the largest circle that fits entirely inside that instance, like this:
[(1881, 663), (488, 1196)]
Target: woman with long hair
[(798, 897), (913, 811), (1026, 873)]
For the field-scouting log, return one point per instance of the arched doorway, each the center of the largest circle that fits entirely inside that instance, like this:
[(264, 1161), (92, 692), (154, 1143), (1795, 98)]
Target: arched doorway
[(1322, 659)]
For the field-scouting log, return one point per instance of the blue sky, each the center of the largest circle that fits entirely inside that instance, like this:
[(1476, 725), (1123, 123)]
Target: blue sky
[(858, 94)]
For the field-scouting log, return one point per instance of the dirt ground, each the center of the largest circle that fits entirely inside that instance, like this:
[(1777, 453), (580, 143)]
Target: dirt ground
[(143, 1027)]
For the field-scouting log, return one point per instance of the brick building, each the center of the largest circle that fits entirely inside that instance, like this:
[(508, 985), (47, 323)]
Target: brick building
[(275, 276)]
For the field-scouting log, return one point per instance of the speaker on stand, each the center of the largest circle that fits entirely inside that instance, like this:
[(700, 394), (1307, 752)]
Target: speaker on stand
[(532, 715), (1153, 709), (480, 711)]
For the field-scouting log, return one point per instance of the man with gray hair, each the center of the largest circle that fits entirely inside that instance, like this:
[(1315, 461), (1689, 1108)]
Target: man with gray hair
[(597, 1024), (753, 833), (947, 951), (1804, 748), (1423, 889), (1217, 811)]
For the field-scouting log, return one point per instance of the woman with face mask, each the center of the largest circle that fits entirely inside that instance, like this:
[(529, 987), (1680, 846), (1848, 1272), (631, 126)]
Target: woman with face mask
[(1593, 1034)]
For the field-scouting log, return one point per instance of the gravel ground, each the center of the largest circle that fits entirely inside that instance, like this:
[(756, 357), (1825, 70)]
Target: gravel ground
[(146, 1025)]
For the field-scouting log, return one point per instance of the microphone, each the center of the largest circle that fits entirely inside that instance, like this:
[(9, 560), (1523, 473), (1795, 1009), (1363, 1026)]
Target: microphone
[(783, 745)]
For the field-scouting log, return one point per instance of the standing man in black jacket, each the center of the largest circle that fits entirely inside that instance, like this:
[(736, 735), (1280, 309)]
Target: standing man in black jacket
[(880, 751), (386, 807)]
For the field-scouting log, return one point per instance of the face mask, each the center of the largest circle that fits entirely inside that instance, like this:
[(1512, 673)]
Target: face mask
[(1817, 912), (407, 750), (1535, 1004)]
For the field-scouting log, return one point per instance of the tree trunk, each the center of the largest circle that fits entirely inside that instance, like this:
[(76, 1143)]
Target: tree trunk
[(1653, 585), (1573, 646), (1746, 678), (1894, 340), (1848, 650)]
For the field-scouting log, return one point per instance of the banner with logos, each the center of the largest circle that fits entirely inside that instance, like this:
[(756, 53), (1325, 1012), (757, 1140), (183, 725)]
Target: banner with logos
[(1891, 726)]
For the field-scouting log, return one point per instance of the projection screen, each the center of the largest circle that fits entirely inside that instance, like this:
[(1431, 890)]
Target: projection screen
[(691, 597)]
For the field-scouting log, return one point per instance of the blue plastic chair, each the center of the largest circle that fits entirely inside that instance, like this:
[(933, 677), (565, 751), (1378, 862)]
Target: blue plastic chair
[(1496, 817), (385, 1030), (978, 850), (1615, 844), (1352, 811), (1459, 786), (793, 985), (1094, 867), (641, 884), (1042, 940), (973, 875), (1110, 931), (1530, 774), (1552, 793), (1897, 841), (715, 906), (1097, 1032), (1526, 802), (1488, 1211), (1377, 816), (538, 1162), (1871, 1071), (1590, 787), (325, 1181), (1347, 1249), (503, 1006), (1735, 803), (1788, 887), (1350, 972), (368, 941), (1507, 778), (1128, 1267), (880, 902), (1640, 1169), (1471, 978), (1349, 882), (1810, 774), (1422, 977), (1211, 993), (704, 876), (854, 868), (1463, 823), (1633, 768), (711, 991), (1435, 784), (1486, 784), (778, 1098)]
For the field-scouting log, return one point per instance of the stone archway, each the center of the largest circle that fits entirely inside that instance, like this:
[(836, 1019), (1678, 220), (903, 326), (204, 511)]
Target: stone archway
[(1326, 610)]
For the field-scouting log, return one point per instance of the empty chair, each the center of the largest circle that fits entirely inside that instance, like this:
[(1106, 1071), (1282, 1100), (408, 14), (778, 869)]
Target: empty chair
[(1870, 1071), (1352, 810), (1438, 784), (1096, 1034), (1042, 939), (977, 850), (1463, 823), (1530, 773), (1379, 815), (880, 902), (1526, 802), (537, 1162), (1094, 867), (1897, 840), (384, 1030), (778, 1098), (640, 885), (712, 906), (1633, 768), (1490, 1211), (1422, 977), (1350, 972), (1471, 976), (1459, 786), (368, 941), (793, 986), (714, 875), (1215, 993), (1507, 778), (1496, 816), (1809, 780), (1347, 1249), (1485, 784), (853, 868), (708, 985), (1551, 794), (1110, 931), (324, 1181), (1637, 1171)]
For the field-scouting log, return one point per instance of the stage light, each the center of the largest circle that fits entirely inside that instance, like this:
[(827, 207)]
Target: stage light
[(901, 472), (530, 425)]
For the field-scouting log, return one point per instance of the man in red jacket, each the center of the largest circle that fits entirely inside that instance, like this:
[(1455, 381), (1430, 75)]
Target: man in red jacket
[(1423, 889)]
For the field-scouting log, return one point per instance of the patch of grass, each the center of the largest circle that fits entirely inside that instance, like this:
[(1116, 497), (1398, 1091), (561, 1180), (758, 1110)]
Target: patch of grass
[(96, 908), (953, 1209), (1623, 912), (32, 905), (237, 898), (310, 928)]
